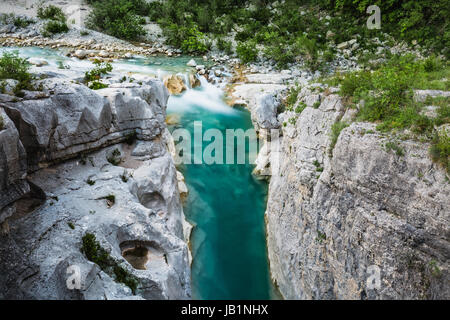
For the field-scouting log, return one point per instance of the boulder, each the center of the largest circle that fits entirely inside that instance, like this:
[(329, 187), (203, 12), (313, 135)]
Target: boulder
[(265, 113), (174, 84), (191, 63), (38, 62), (80, 54)]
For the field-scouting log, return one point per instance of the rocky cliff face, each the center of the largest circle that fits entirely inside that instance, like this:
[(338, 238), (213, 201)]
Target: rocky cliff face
[(333, 215), (66, 172)]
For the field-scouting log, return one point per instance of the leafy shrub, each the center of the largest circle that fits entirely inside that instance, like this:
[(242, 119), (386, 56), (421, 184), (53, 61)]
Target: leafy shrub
[(57, 20), (20, 22), (2, 123), (93, 76), (194, 42), (14, 67), (53, 27), (225, 46), (51, 12), (118, 18), (247, 51), (309, 50), (97, 85), (424, 21)]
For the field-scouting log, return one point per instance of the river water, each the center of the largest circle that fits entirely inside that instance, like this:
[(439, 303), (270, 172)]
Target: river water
[(226, 203)]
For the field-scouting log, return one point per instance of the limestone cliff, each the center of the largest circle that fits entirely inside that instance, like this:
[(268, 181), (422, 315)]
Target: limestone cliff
[(75, 161), (334, 213)]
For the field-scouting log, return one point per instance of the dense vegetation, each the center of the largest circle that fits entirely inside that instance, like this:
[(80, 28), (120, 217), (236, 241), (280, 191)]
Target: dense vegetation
[(120, 18), (56, 20), (286, 32)]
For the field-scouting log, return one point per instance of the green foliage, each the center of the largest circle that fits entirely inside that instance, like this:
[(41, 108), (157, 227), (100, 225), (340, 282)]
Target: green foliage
[(440, 149), (2, 123), (334, 134), (20, 22), (56, 20), (119, 18), (301, 106), (321, 236), (90, 182), (96, 253), (194, 41), (247, 51), (93, 76), (53, 27), (387, 92), (97, 85), (224, 45), (425, 21), (297, 28), (14, 67), (71, 225), (291, 98), (51, 12), (101, 68)]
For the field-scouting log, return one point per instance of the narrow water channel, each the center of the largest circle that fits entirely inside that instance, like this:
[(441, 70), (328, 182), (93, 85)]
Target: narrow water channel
[(226, 203)]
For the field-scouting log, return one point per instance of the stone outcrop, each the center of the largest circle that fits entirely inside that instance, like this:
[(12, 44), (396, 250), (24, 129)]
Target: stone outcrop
[(335, 216), (259, 92), (174, 84), (13, 169), (66, 171), (69, 118)]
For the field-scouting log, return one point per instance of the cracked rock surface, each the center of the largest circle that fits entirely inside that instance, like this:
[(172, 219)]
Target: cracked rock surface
[(58, 182), (334, 214)]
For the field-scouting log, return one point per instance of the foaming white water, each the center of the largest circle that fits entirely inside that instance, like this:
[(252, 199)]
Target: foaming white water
[(206, 97)]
